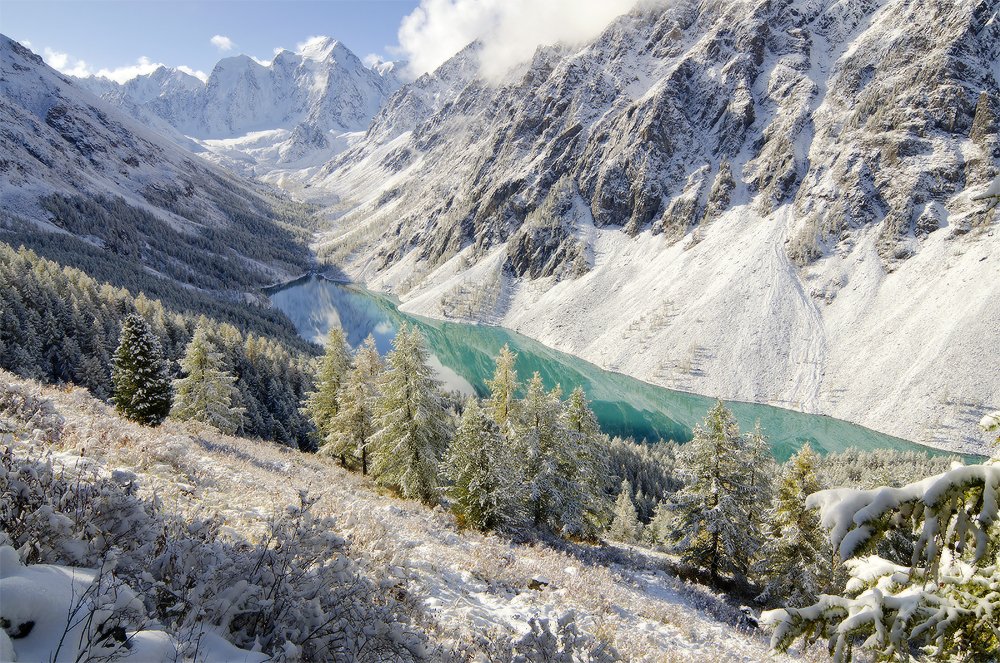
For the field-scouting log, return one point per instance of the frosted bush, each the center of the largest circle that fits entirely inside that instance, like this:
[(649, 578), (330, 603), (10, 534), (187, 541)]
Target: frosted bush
[(295, 595), (29, 412)]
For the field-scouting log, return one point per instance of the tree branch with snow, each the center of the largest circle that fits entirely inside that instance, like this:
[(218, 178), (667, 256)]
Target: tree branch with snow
[(944, 602)]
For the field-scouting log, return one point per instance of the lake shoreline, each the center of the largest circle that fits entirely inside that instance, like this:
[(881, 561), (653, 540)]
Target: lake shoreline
[(658, 404)]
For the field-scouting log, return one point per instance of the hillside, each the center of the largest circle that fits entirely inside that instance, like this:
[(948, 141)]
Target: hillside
[(80, 175), (447, 593), (759, 201)]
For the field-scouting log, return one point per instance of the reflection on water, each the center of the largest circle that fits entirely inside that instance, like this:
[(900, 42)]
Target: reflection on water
[(464, 359)]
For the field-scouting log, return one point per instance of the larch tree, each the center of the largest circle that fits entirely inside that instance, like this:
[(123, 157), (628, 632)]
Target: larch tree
[(543, 442), (795, 561), (334, 365), (503, 404), (483, 472), (625, 526), (352, 427), (141, 385), (206, 392), (712, 523), (758, 477), (588, 508), (412, 426)]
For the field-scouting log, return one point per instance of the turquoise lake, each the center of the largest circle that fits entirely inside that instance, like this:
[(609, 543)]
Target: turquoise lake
[(463, 355)]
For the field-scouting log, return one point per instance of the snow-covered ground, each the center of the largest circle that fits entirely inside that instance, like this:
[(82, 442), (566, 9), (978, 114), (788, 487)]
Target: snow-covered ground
[(460, 585)]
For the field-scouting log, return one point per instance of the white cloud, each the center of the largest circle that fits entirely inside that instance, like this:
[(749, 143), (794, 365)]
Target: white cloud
[(67, 64), (510, 30), (64, 63), (372, 59), (222, 42), (25, 43)]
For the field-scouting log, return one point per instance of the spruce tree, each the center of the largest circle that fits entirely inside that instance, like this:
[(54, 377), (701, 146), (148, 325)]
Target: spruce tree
[(207, 392), (139, 374), (334, 365), (796, 552), (352, 427), (484, 473), (503, 403), (411, 423), (711, 522), (625, 526)]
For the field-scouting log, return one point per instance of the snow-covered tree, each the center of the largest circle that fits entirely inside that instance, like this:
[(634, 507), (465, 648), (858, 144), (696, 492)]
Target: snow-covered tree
[(483, 471), (759, 472), (334, 366), (503, 403), (588, 507), (660, 526), (712, 525), (352, 427), (625, 526), (546, 450), (139, 374), (206, 392), (796, 558), (945, 603), (411, 423)]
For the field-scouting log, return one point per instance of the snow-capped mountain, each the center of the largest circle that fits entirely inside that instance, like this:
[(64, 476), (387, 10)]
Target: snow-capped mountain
[(761, 201), (75, 165), (294, 111)]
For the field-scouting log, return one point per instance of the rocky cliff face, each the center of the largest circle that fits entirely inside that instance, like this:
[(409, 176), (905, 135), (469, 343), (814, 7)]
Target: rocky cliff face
[(840, 139)]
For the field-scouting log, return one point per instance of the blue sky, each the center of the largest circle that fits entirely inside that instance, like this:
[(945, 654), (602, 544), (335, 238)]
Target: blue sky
[(112, 35)]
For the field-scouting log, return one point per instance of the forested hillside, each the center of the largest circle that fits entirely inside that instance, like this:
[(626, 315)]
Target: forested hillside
[(57, 324)]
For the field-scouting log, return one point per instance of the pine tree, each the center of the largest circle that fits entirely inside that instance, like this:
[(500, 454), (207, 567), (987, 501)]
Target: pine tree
[(481, 466), (411, 423), (712, 523), (206, 392), (352, 427), (796, 553), (503, 403), (321, 404), (139, 374), (588, 507), (625, 526)]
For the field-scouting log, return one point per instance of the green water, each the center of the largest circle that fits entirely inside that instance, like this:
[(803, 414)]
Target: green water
[(464, 357)]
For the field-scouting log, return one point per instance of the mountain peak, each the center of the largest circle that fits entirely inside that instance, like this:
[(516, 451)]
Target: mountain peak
[(322, 48)]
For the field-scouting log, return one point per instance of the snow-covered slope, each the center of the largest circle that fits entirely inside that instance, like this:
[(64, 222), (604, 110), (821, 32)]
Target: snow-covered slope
[(71, 164), (275, 118), (466, 591), (767, 201)]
